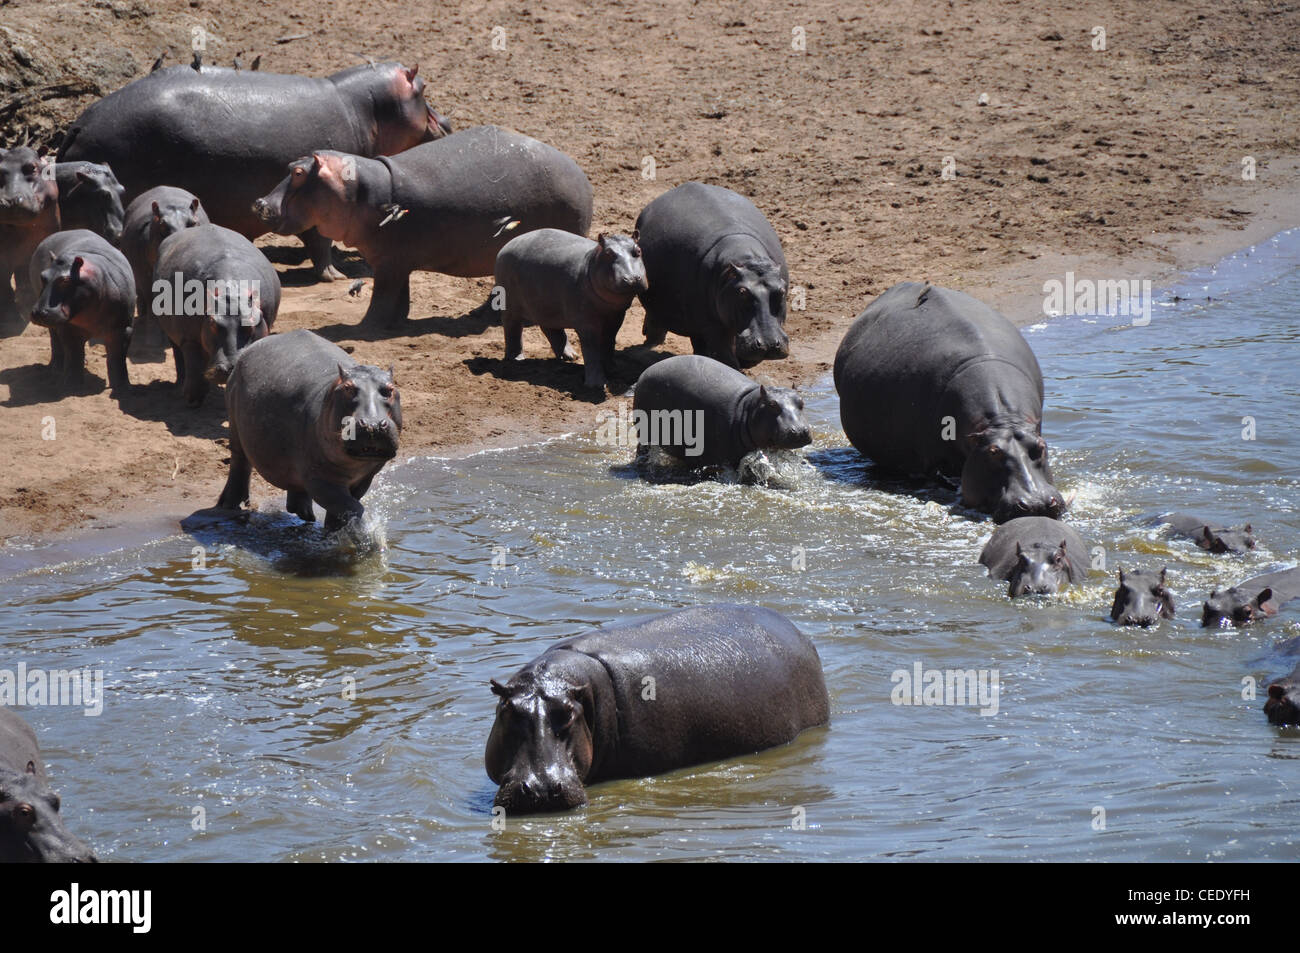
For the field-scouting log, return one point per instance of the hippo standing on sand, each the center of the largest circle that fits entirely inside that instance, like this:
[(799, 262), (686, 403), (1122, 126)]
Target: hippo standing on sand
[(634, 700), (31, 830), (1036, 555), (558, 280), (151, 217), (86, 291), (311, 421), (705, 413), (90, 197), (1217, 540), (717, 275), (1252, 600), (933, 380), (213, 293), (1142, 598), (226, 135), (29, 213), (447, 206)]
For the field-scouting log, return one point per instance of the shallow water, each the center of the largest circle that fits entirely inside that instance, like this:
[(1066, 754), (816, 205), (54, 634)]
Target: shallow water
[(227, 683)]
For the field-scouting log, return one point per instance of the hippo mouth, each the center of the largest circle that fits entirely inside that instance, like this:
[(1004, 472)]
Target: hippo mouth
[(439, 126), (370, 451), (50, 317)]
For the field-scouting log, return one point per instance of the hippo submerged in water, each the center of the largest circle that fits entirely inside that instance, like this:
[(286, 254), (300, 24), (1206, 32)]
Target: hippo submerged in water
[(1036, 555), (1142, 598), (634, 700), (31, 830), (1217, 540), (932, 380), (1251, 600)]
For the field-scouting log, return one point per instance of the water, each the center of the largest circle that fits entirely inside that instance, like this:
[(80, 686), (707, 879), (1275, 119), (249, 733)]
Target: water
[(227, 686)]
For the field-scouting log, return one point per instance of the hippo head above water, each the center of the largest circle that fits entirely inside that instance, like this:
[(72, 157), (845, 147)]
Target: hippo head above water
[(1006, 472), (751, 299), (1229, 607), (27, 186), (1039, 570), (542, 744), (1230, 540), (366, 411), (619, 271), (1283, 704), (402, 118), (1142, 598), (31, 829), (777, 421)]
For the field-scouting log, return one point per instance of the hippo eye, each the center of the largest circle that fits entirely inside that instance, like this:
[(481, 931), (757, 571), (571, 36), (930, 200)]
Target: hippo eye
[(744, 292), (386, 393), (636, 251), (29, 169), (995, 451), (25, 816)]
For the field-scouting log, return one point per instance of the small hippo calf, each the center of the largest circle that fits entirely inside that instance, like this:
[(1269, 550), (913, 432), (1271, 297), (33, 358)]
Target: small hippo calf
[(1036, 554), (1251, 600), (557, 280), (703, 412), (311, 421), (153, 217), (214, 293), (634, 700), (1142, 598), (1283, 704), (1217, 540), (90, 197), (86, 291), (29, 213), (31, 830)]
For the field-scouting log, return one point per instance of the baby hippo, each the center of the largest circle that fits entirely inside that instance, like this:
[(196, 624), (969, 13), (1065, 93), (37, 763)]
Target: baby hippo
[(29, 213), (1283, 705), (703, 412), (31, 830), (154, 216), (86, 291), (556, 280), (1036, 554), (90, 197), (1142, 598), (313, 422), (676, 689), (214, 293), (1252, 600), (1217, 540)]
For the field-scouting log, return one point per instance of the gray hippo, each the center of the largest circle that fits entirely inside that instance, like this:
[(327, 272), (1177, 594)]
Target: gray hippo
[(86, 291), (1217, 540), (311, 421), (225, 134), (31, 830), (1142, 598), (90, 197), (448, 206), (213, 294), (1283, 704), (717, 275), (932, 380), (633, 700), (705, 413), (1252, 600), (151, 217), (1036, 555), (29, 213), (557, 280)]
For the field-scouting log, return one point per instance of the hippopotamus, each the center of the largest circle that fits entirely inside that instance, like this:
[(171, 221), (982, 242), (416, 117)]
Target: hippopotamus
[(628, 701), (703, 412), (29, 213), (1217, 540), (448, 206), (151, 217), (716, 274), (312, 421), (1283, 704), (1036, 554), (225, 134), (557, 280), (1142, 598), (932, 380), (31, 830), (90, 197), (213, 293), (86, 292), (1252, 600)]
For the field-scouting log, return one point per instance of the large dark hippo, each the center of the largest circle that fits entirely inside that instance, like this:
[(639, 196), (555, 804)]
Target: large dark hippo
[(930, 380), (31, 829), (1142, 598), (225, 135), (86, 291), (312, 421), (717, 275), (448, 206), (153, 216), (29, 213), (705, 413), (213, 293), (90, 197), (1217, 540), (557, 280), (1252, 600), (633, 700), (1035, 554)]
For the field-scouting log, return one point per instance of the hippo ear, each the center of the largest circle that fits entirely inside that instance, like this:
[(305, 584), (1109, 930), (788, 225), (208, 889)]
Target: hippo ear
[(1121, 575), (31, 767), (392, 376), (157, 212), (498, 689), (1019, 550), (76, 265), (636, 234), (1264, 596), (1206, 534), (1163, 570), (1247, 529), (600, 239), (344, 379), (194, 206), (410, 73)]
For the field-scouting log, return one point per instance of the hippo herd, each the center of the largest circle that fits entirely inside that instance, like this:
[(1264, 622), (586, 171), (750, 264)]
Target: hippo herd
[(144, 226)]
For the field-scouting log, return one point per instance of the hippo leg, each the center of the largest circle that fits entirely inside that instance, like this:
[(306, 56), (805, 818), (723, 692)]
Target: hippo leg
[(180, 364), (195, 387), (559, 339), (299, 504), (56, 351), (117, 346), (514, 337), (11, 322), (654, 331), (319, 248), (390, 300), (593, 350), (339, 505), (235, 493), (72, 346), (359, 490)]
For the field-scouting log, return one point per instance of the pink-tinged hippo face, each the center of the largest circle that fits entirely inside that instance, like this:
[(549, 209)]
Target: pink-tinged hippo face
[(69, 289), (403, 118), (27, 186), (317, 193), (1233, 607)]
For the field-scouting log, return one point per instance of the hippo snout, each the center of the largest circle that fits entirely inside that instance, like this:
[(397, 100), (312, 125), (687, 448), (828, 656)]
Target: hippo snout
[(546, 793), (376, 440), (751, 349), (1049, 504), (265, 210)]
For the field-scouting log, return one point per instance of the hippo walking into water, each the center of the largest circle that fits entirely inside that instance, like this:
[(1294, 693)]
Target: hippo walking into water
[(31, 830), (932, 380), (1036, 555), (673, 690)]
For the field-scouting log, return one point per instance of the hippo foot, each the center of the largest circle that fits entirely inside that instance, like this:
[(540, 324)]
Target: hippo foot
[(329, 273)]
